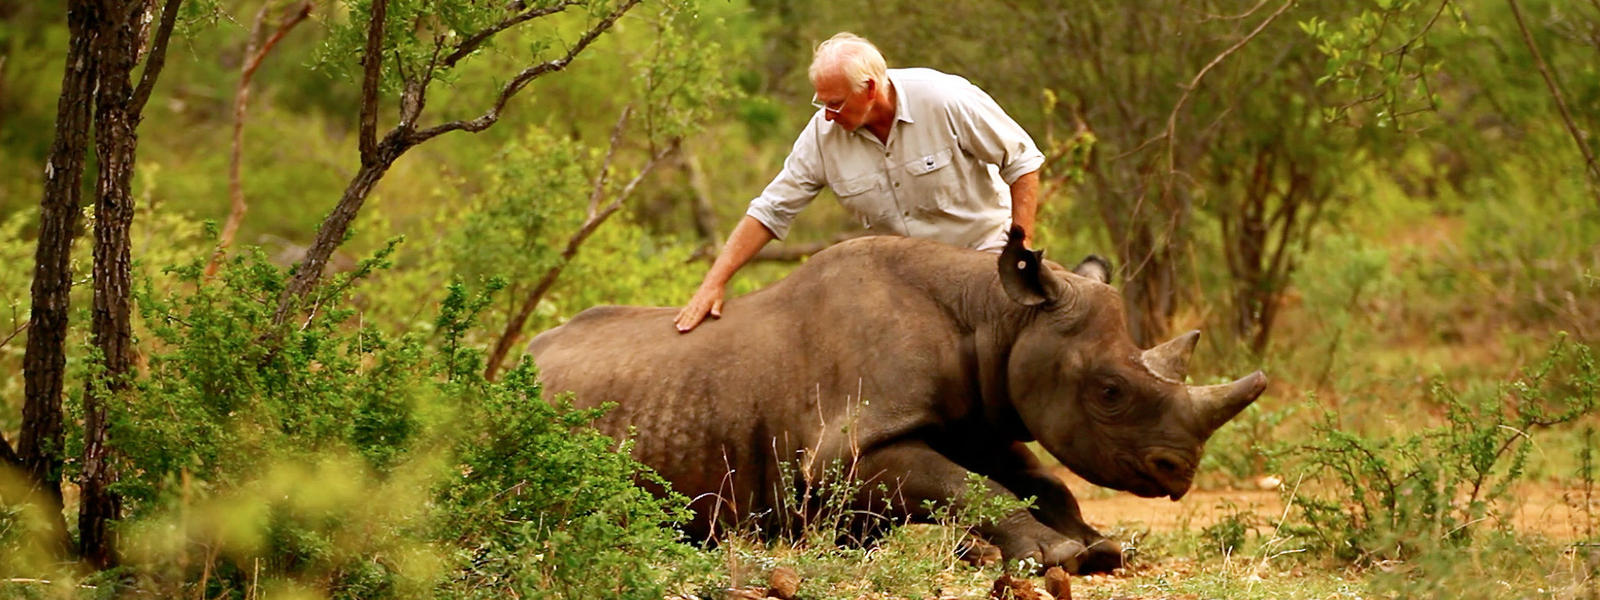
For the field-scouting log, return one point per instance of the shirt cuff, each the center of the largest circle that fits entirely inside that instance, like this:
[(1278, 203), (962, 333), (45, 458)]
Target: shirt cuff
[(1022, 166), (770, 218)]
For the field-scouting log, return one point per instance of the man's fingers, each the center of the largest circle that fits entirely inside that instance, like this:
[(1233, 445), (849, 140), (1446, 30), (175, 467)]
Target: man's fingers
[(716, 309)]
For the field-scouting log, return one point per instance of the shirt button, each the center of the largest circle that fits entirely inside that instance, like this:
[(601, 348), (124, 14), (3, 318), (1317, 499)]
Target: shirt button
[(897, 184), (888, 154)]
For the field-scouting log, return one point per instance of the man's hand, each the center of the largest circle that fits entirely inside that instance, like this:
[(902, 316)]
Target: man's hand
[(707, 299), (747, 239)]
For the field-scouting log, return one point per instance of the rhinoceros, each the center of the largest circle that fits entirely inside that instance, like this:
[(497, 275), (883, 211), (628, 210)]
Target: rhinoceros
[(917, 364)]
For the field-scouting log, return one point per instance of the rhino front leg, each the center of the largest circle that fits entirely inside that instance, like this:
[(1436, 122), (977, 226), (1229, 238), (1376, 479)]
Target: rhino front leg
[(1019, 470), (916, 473)]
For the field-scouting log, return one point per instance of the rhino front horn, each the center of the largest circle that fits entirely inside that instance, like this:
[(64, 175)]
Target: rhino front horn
[(1170, 360), (1217, 404)]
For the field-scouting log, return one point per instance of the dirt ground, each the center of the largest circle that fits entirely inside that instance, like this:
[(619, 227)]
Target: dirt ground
[(1552, 511)]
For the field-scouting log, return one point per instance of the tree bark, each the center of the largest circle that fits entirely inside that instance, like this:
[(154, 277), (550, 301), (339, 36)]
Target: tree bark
[(119, 106), (39, 447), (116, 141), (329, 236)]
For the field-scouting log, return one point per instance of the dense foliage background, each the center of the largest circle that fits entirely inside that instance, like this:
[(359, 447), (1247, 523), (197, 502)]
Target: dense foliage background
[(1391, 206)]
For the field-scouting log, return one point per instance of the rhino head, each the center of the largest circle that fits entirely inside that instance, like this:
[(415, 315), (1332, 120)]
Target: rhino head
[(1117, 415)]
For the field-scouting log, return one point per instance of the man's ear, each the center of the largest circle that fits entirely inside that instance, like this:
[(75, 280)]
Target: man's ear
[(1094, 267)]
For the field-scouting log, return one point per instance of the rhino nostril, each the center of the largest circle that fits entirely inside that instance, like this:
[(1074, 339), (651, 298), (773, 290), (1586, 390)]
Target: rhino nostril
[(1165, 465)]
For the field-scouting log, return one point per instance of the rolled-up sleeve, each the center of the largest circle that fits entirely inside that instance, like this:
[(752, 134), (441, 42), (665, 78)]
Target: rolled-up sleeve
[(988, 133), (794, 187)]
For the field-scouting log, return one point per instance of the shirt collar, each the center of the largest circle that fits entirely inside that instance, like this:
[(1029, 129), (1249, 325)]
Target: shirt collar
[(902, 109)]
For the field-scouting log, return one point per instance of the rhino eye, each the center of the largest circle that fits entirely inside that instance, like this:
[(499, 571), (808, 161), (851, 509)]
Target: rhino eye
[(1111, 394)]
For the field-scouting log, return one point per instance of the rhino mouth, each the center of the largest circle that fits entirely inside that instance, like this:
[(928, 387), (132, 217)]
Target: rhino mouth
[(1146, 485)]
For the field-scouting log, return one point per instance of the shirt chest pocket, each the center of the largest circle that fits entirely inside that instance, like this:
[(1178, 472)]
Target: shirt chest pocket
[(932, 181), (863, 195)]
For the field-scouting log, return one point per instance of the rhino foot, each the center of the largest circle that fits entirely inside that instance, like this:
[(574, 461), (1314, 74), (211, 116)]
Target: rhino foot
[(1101, 556)]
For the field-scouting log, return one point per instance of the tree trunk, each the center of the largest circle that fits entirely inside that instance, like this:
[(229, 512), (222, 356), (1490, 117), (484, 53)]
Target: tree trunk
[(332, 233), (116, 142), (39, 447)]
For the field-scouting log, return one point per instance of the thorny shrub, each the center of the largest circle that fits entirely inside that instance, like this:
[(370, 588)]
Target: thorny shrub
[(1394, 499)]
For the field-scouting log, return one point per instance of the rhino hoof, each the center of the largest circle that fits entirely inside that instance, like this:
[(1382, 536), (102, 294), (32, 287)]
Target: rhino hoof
[(1102, 556), (1068, 554)]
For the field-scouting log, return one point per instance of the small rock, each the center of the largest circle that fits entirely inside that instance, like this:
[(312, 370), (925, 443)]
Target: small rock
[(1010, 588), (1057, 583), (1269, 482), (979, 553), (783, 583)]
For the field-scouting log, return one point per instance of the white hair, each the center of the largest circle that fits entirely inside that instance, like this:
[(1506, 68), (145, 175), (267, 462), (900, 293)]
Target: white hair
[(853, 55)]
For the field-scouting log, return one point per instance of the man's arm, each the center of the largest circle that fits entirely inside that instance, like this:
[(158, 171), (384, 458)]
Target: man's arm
[(747, 239), (1025, 203)]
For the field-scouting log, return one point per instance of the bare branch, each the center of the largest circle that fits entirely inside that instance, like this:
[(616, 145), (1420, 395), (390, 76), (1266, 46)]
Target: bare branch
[(1172, 118), (372, 63), (1590, 165), (20, 328), (476, 40), (513, 330), (627, 190), (157, 57), (241, 98), (527, 75), (605, 165)]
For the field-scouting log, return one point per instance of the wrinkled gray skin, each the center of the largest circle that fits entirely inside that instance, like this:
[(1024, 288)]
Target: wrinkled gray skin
[(957, 370)]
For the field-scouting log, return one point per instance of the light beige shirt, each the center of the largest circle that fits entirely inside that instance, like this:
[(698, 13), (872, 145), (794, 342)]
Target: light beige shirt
[(945, 173)]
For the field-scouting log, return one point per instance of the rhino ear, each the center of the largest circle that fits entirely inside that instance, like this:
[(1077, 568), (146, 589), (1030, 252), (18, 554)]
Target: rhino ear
[(1024, 276), (1094, 267)]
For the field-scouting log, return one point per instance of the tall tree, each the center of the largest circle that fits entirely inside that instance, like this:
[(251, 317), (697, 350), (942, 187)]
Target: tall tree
[(119, 106), (44, 362), (108, 40), (407, 45)]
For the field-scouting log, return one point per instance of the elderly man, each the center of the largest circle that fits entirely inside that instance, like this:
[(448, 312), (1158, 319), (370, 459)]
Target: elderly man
[(912, 152)]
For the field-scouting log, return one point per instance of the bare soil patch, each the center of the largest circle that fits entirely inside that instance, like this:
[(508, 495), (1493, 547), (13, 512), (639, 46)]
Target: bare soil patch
[(1550, 510)]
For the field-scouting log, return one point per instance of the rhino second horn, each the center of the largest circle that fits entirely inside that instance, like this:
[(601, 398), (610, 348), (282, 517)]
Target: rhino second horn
[(1217, 404), (1170, 360)]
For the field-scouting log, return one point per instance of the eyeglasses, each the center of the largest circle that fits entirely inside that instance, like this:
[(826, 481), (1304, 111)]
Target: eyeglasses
[(833, 107)]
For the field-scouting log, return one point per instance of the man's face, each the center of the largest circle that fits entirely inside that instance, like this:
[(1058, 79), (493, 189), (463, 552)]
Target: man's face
[(840, 104)]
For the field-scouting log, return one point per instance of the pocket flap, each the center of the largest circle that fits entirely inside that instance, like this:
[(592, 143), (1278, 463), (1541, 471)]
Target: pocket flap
[(929, 163), (857, 185)]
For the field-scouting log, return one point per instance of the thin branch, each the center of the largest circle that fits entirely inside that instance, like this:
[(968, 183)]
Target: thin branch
[(527, 75), (372, 63), (415, 95), (14, 332), (1172, 118), (513, 330), (605, 165), (1592, 167), (241, 98), (157, 57), (476, 40)]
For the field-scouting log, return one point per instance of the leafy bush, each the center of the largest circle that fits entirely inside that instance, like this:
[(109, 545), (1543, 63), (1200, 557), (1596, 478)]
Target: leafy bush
[(1398, 498), (326, 458)]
